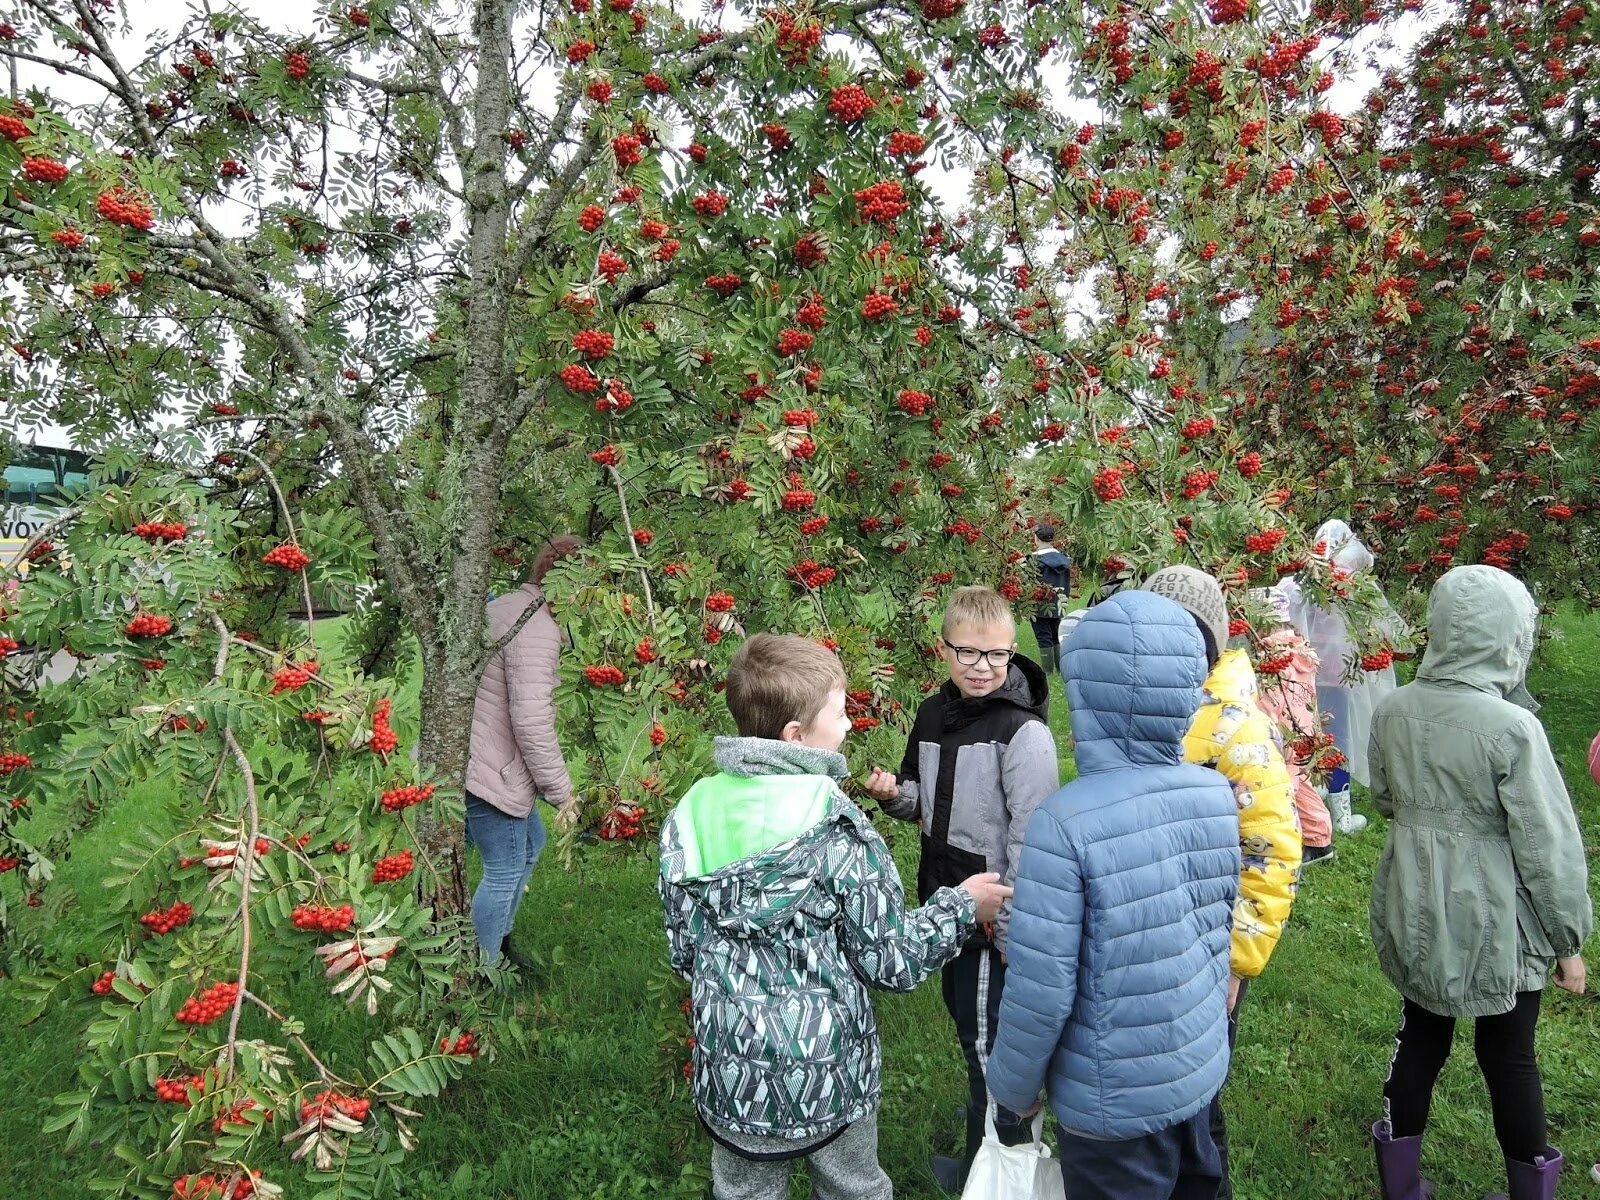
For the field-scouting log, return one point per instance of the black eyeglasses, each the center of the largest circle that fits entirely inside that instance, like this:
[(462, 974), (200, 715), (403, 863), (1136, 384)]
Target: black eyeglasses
[(968, 656)]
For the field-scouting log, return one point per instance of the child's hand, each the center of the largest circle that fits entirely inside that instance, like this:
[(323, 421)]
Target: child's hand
[(989, 893), (881, 785), (1571, 974)]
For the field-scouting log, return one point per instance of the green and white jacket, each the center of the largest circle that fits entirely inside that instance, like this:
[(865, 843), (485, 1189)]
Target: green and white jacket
[(783, 905)]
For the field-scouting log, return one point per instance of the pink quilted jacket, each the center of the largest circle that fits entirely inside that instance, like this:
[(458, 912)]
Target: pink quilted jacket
[(514, 755)]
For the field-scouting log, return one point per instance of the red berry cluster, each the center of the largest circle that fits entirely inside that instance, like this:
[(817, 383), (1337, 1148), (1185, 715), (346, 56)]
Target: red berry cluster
[(298, 64), (643, 537), (794, 341), (593, 343), (617, 398), (626, 148), (162, 922), (718, 602), (1275, 664), (358, 17), (294, 677), (710, 204), (1196, 482), (580, 50), (604, 675), (208, 1005), (43, 170), (176, 1091), (7, 645), (658, 735), (9, 862), (1108, 483), (1249, 464), (465, 1046), (655, 84), (1198, 427), (645, 651), (12, 128), (606, 456), (738, 489), (203, 1187), (102, 986), (148, 625), (579, 378), (395, 866), (68, 239), (851, 102), (621, 823), (156, 531), (902, 143), (914, 403), (799, 500), (800, 418), (777, 136), (813, 315), (1379, 660), (288, 556), (322, 917), (1265, 541), (939, 10), (882, 202), (591, 218), (612, 266), (878, 306), (395, 799), (810, 574), (810, 250), (383, 740), (326, 1104), (724, 285), (812, 526)]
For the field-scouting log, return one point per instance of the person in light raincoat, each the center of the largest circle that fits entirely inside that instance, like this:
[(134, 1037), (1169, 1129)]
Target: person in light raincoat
[(1349, 703)]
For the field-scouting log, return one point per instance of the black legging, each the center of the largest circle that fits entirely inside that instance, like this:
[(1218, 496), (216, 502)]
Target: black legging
[(1504, 1046)]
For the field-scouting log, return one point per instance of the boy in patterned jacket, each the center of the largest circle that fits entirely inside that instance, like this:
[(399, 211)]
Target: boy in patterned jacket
[(783, 906)]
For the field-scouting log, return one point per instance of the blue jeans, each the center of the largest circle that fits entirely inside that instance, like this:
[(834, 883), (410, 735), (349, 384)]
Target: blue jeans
[(509, 847)]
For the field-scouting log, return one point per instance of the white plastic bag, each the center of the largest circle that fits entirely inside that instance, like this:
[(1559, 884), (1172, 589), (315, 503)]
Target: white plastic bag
[(1025, 1172)]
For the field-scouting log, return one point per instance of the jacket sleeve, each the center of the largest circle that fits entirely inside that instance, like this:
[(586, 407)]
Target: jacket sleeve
[(889, 947), (532, 665), (1028, 774), (1546, 843), (1269, 836), (676, 909), (906, 805), (1377, 777), (1042, 972)]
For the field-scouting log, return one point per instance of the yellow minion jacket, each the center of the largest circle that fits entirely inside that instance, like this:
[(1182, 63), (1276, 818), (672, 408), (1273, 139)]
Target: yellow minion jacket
[(1232, 734)]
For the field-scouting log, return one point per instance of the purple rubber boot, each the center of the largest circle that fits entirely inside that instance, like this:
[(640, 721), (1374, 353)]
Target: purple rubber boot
[(1535, 1180), (1400, 1165)]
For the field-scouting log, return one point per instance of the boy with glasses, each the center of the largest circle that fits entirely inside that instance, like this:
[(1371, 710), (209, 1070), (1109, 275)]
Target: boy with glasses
[(979, 761)]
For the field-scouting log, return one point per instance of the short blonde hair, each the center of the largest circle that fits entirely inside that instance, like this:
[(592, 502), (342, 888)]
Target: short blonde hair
[(976, 606), (778, 678)]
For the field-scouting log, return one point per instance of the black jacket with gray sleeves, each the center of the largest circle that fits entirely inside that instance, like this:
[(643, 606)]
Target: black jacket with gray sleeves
[(974, 771)]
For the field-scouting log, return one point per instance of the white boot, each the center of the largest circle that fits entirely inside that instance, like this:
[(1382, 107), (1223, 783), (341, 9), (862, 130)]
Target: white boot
[(1344, 820)]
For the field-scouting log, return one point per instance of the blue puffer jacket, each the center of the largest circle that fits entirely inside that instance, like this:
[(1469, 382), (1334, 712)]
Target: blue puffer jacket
[(1119, 928)]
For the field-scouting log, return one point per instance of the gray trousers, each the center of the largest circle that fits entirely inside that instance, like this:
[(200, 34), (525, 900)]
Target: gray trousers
[(845, 1169)]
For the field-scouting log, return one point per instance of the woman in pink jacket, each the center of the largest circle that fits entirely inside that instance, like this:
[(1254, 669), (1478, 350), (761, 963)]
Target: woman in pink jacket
[(515, 759)]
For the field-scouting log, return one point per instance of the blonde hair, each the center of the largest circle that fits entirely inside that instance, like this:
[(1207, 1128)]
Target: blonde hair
[(778, 678), (976, 606)]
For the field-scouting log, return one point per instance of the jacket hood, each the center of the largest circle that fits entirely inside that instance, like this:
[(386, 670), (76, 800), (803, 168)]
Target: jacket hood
[(1052, 557), (1134, 667), (751, 756), (1343, 548), (1481, 625), (1026, 687)]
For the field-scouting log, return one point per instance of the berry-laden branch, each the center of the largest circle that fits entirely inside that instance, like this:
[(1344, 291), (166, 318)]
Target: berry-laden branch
[(246, 857), (294, 538)]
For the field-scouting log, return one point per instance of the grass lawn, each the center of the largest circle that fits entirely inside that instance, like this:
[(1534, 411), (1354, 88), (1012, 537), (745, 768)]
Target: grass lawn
[(580, 1114)]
